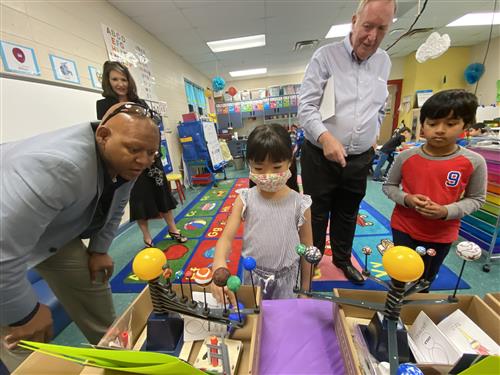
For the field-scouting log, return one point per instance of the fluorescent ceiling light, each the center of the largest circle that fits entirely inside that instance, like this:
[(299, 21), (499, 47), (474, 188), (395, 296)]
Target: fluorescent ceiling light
[(337, 31), (237, 43), (477, 19), (248, 72)]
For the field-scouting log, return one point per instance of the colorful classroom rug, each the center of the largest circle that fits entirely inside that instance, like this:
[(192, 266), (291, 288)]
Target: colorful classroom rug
[(204, 219)]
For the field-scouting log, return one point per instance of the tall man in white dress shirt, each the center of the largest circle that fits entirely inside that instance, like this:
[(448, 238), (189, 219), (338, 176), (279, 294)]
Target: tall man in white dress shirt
[(338, 150)]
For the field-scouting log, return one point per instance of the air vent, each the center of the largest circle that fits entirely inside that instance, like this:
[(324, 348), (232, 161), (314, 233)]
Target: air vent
[(305, 45)]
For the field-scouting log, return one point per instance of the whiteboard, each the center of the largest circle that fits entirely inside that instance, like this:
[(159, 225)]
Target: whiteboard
[(30, 108)]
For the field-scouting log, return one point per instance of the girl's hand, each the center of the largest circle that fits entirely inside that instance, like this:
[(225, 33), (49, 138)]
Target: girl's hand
[(433, 211), (416, 200), (217, 292)]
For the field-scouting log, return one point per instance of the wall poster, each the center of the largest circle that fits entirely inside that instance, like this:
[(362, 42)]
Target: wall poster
[(123, 49)]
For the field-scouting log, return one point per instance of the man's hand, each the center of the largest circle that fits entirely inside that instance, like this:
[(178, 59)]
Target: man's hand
[(416, 200), (433, 211), (39, 329), (332, 148), (100, 263)]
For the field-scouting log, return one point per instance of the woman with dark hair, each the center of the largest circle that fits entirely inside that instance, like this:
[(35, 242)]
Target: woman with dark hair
[(151, 196)]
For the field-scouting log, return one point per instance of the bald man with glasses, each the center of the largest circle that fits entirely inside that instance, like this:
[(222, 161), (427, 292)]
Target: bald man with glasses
[(57, 189)]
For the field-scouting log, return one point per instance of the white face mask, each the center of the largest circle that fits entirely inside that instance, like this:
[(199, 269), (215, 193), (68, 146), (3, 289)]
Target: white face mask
[(271, 182)]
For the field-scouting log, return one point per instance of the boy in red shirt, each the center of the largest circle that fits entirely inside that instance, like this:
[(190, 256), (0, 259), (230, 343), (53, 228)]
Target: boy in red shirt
[(440, 181)]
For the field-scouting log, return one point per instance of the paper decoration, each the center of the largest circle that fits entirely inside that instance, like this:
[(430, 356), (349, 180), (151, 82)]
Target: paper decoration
[(433, 47), (123, 49), (64, 69), (19, 59), (95, 77), (218, 83)]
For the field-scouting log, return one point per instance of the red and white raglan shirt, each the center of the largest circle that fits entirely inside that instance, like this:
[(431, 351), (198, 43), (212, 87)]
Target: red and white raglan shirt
[(457, 181)]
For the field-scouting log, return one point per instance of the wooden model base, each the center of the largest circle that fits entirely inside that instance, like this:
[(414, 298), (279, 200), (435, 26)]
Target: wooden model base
[(203, 361)]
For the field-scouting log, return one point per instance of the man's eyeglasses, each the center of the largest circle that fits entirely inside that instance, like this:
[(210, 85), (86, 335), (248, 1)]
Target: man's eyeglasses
[(137, 110)]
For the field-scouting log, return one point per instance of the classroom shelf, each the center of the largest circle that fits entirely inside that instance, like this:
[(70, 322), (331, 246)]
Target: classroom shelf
[(483, 226)]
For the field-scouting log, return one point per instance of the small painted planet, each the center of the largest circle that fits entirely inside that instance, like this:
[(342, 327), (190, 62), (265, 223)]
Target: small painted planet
[(249, 263), (188, 275), (312, 255), (301, 249), (220, 276), (233, 283), (468, 250), (366, 250), (203, 276), (421, 250), (431, 252), (408, 369)]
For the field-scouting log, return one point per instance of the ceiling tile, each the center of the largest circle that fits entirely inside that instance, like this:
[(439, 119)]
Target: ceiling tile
[(186, 25)]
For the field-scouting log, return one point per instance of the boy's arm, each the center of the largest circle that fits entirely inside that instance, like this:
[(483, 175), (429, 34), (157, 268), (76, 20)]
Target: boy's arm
[(306, 238), (475, 192), (391, 186)]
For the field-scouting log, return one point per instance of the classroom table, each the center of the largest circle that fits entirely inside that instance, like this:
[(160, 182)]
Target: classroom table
[(298, 338)]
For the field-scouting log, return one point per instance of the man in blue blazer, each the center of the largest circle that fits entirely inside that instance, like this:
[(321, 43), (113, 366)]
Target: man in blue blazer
[(59, 188)]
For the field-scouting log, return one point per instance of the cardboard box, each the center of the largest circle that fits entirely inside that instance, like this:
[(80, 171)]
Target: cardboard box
[(493, 301), (344, 316), (136, 315)]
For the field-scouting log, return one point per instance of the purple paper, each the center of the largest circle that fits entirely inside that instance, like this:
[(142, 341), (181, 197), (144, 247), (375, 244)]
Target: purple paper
[(298, 338)]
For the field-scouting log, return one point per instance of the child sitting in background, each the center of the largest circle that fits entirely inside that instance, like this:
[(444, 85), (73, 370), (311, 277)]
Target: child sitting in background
[(276, 218), (440, 181), (477, 130), (403, 134)]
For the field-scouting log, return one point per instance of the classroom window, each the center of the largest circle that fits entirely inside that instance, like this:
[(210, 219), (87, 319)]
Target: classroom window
[(195, 96)]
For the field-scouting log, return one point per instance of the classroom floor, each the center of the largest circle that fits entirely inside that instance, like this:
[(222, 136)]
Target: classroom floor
[(130, 239)]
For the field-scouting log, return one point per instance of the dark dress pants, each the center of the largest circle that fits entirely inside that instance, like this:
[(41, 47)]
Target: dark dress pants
[(336, 194), (432, 264)]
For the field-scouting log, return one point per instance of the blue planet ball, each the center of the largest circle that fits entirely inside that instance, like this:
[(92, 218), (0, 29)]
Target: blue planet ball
[(249, 263), (179, 274), (409, 369)]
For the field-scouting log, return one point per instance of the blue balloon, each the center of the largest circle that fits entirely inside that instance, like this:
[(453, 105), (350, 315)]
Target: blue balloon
[(218, 83), (249, 263), (409, 369)]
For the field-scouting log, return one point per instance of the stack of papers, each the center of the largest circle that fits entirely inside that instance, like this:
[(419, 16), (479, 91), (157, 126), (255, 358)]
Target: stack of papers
[(446, 342)]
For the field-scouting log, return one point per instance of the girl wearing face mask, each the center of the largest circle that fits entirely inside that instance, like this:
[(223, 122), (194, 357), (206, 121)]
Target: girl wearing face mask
[(276, 218)]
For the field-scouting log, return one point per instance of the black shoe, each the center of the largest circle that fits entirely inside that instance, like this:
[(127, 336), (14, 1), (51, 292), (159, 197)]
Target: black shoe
[(352, 274)]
